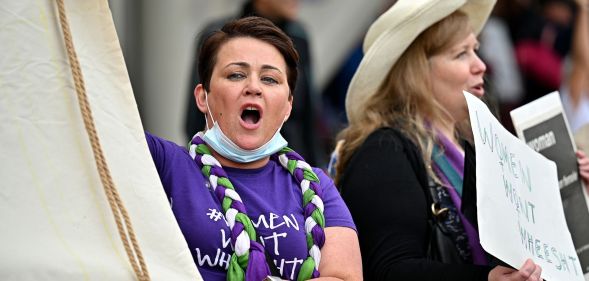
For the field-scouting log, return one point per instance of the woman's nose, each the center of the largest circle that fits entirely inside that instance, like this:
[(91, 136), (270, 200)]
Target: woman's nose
[(253, 87), (479, 66)]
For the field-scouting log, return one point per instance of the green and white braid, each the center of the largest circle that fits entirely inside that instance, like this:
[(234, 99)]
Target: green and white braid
[(248, 262)]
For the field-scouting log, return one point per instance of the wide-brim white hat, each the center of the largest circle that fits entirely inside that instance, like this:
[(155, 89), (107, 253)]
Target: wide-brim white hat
[(390, 35)]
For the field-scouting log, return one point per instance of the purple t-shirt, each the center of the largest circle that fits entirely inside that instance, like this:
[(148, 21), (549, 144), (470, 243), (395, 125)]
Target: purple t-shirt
[(271, 196)]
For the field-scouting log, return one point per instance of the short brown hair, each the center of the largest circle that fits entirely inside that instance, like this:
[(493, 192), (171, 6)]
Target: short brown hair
[(254, 27)]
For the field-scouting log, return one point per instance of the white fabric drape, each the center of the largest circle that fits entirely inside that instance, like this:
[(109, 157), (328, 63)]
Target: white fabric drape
[(55, 221)]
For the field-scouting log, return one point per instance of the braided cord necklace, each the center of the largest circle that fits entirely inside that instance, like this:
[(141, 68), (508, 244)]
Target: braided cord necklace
[(248, 261)]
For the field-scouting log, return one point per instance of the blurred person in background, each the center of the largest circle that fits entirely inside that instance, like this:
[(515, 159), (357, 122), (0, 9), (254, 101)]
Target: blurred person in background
[(542, 40), (301, 128), (574, 90)]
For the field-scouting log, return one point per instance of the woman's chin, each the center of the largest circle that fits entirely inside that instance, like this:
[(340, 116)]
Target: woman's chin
[(249, 143)]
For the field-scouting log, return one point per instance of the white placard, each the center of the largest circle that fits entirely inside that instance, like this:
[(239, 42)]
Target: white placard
[(520, 214)]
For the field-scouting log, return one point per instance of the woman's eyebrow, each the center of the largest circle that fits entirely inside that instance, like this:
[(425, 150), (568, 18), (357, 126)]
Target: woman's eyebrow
[(271, 67), (239, 63), (247, 65)]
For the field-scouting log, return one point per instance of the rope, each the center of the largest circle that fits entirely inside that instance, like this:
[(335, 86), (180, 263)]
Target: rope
[(110, 190)]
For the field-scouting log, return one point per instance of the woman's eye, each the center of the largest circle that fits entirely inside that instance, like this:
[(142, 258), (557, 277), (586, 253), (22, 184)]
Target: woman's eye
[(235, 76), (269, 80), (461, 54)]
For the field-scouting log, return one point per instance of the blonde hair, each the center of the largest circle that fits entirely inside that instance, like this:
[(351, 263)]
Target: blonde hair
[(405, 100)]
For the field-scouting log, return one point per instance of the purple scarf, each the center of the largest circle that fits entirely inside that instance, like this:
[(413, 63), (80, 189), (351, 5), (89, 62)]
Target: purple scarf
[(455, 159)]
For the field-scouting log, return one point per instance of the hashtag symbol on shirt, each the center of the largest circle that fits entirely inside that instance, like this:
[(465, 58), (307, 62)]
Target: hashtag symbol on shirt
[(214, 214)]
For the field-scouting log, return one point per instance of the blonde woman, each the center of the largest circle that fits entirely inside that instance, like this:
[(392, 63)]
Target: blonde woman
[(405, 108)]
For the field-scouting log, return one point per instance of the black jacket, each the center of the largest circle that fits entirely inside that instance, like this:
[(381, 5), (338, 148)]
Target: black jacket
[(383, 186)]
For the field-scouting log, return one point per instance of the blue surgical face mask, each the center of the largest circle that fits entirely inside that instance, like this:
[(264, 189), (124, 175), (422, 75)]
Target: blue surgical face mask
[(218, 141)]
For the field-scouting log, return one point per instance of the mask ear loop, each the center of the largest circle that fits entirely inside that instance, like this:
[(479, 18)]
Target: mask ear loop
[(209, 110)]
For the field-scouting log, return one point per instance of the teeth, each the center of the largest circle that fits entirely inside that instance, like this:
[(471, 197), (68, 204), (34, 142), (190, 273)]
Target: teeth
[(251, 108)]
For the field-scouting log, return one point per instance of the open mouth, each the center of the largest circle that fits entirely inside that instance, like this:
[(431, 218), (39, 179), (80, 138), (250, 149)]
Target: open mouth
[(477, 90), (250, 115)]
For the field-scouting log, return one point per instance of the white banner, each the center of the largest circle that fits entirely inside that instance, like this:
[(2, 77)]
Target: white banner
[(520, 214), (56, 223)]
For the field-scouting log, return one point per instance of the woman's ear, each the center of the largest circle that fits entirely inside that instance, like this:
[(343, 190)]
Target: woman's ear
[(199, 96), (288, 108)]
